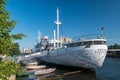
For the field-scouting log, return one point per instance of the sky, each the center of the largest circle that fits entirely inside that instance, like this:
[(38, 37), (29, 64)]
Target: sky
[(78, 17)]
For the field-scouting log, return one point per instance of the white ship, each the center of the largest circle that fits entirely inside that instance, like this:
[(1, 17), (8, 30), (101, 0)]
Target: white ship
[(86, 51)]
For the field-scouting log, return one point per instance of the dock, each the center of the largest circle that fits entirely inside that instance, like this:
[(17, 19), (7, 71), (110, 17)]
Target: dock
[(113, 53)]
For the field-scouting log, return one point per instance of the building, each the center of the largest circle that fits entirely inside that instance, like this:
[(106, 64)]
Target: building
[(26, 50)]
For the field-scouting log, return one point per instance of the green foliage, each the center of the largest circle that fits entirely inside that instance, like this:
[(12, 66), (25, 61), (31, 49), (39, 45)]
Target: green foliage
[(6, 27), (7, 68), (15, 50), (18, 36), (7, 46), (115, 46)]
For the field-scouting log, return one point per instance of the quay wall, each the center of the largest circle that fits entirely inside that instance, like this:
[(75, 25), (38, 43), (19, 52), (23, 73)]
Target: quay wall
[(113, 53)]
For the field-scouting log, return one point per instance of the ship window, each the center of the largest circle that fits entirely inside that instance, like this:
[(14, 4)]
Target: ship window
[(99, 42), (78, 43), (87, 43), (73, 44), (104, 42)]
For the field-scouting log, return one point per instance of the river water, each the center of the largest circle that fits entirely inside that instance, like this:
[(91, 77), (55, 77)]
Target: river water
[(109, 71)]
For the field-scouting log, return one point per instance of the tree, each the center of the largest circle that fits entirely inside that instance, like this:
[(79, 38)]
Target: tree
[(115, 46), (15, 50), (6, 41), (7, 68), (6, 26)]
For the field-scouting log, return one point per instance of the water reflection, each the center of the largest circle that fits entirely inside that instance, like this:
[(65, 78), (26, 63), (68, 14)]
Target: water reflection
[(84, 75), (74, 75)]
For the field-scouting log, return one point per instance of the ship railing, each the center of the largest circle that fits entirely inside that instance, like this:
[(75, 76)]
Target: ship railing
[(88, 37), (86, 41), (83, 38)]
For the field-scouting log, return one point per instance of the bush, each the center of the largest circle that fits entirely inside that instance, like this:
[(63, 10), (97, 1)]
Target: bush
[(8, 68)]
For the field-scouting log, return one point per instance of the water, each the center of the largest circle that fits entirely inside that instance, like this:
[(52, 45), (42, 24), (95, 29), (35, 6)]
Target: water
[(109, 71)]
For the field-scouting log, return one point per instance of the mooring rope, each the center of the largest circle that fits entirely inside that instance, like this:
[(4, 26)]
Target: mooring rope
[(69, 73), (60, 77)]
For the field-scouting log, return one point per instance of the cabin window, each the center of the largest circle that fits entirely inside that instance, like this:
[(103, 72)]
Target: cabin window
[(78, 43), (69, 45), (99, 42), (87, 43), (103, 42), (73, 44)]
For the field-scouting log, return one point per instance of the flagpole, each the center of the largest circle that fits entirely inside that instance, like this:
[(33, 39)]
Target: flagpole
[(102, 30)]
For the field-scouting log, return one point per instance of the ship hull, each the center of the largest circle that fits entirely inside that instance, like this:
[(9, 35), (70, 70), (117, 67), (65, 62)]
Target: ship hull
[(91, 58)]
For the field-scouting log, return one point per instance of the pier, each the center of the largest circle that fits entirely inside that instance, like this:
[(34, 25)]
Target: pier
[(113, 53)]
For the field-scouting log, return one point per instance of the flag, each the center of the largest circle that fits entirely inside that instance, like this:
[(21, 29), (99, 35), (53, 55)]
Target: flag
[(102, 28)]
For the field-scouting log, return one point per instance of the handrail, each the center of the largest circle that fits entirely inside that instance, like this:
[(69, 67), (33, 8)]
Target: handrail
[(89, 37)]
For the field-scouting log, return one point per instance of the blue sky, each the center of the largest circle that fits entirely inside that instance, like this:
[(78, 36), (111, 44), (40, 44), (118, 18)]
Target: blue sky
[(78, 17)]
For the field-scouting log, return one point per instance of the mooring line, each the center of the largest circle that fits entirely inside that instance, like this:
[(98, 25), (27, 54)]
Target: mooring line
[(73, 72), (59, 77)]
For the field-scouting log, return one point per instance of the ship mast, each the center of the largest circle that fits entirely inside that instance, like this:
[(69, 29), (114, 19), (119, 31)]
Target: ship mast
[(39, 37), (57, 22), (54, 38)]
